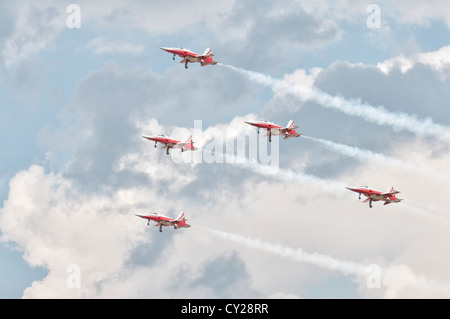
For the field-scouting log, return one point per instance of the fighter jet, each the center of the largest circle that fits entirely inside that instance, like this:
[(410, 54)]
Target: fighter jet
[(374, 195), (190, 57), (161, 220), (274, 129), (172, 143)]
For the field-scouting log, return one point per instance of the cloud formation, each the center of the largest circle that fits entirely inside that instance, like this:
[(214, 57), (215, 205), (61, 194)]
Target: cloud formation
[(76, 205)]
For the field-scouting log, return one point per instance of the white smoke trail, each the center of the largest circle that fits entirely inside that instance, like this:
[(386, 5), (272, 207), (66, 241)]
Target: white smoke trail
[(351, 151), (408, 278), (378, 115), (363, 155), (324, 185), (323, 261), (435, 213)]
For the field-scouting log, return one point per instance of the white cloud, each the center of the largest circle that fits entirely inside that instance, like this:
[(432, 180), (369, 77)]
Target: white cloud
[(419, 12), (35, 26), (401, 282), (416, 12), (283, 295), (155, 17), (56, 221), (438, 60), (101, 45), (55, 227)]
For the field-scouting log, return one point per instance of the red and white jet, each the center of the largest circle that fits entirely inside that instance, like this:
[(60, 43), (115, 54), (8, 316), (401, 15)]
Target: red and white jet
[(161, 220), (190, 57), (374, 195), (274, 129), (172, 143)]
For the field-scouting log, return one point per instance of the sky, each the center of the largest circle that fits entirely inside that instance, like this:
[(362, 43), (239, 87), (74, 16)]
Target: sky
[(368, 84)]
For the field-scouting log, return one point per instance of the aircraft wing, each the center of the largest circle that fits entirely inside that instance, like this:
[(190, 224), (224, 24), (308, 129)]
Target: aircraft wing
[(182, 144), (150, 138), (289, 128), (390, 193), (188, 145), (145, 216), (390, 201), (292, 135), (205, 56), (166, 145)]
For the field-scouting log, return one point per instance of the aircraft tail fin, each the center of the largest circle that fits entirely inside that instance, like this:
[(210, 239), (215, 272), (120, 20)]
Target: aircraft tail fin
[(207, 52), (180, 216), (393, 191), (189, 140), (289, 130), (291, 123), (181, 221), (206, 58)]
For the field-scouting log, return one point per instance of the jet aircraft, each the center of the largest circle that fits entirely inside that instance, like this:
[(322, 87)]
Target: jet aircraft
[(274, 129), (172, 143), (161, 220), (374, 195), (189, 57)]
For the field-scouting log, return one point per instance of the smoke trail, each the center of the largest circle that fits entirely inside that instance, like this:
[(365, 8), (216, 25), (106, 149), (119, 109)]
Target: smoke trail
[(407, 277), (324, 185), (378, 115), (362, 155), (323, 261), (351, 151), (434, 213)]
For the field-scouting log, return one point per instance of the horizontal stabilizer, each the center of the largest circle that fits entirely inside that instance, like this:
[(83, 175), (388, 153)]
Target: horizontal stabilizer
[(391, 193), (292, 135)]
